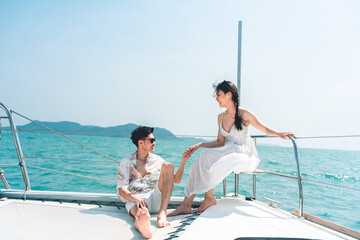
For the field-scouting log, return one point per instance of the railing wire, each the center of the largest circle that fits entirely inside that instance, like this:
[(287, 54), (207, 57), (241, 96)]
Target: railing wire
[(78, 175), (334, 136), (8, 165), (66, 137), (68, 159), (330, 184), (169, 135)]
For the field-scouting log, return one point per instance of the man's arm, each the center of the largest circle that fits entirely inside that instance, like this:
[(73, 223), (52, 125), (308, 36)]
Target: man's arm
[(123, 180), (179, 173), (126, 194)]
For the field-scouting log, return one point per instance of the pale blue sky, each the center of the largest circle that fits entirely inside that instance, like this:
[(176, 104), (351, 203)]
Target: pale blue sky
[(153, 62)]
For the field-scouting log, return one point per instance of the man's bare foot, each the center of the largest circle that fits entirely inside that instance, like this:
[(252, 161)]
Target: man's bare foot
[(142, 222), (161, 220), (206, 204), (180, 210)]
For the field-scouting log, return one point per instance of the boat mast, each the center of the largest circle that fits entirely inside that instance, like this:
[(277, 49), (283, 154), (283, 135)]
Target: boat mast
[(239, 59), (238, 86)]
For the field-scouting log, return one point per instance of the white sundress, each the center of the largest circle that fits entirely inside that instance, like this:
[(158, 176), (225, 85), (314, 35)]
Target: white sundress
[(213, 165)]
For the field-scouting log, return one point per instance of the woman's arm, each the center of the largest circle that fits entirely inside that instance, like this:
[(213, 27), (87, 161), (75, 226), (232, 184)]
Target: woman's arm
[(219, 142), (250, 117)]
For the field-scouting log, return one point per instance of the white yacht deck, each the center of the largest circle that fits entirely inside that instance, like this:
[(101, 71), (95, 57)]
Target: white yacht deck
[(32, 219), (231, 218), (234, 218)]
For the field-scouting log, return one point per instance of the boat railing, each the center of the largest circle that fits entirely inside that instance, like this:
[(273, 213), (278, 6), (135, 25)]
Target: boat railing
[(23, 166), (256, 172), (17, 145)]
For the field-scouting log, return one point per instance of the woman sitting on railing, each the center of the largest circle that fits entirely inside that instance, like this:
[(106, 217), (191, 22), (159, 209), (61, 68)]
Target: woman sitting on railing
[(235, 150)]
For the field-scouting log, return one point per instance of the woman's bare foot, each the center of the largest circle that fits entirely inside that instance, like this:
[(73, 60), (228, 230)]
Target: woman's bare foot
[(142, 222), (206, 204), (181, 210), (161, 219)]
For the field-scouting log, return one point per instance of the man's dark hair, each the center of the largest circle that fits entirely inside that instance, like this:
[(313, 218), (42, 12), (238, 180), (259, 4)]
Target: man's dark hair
[(139, 133)]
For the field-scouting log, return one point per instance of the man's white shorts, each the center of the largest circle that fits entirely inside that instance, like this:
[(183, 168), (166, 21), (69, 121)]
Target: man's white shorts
[(153, 200)]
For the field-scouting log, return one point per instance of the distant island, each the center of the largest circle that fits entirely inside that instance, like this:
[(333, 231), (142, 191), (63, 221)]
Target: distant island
[(123, 131)]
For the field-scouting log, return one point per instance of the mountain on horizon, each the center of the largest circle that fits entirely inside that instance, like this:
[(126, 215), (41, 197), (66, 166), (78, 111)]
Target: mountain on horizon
[(68, 127)]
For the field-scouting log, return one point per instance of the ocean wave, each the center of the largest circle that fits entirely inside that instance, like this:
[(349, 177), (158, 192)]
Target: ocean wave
[(342, 177), (273, 163), (325, 214), (29, 137)]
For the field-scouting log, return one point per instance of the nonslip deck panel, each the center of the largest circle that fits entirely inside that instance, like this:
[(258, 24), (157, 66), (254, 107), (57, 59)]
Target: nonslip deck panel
[(233, 218), (271, 238), (36, 220)]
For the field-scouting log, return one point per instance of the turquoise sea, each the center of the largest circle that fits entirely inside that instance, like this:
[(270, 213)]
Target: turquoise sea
[(337, 167)]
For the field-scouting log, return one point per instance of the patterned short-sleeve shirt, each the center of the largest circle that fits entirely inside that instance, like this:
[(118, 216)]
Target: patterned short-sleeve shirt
[(128, 175)]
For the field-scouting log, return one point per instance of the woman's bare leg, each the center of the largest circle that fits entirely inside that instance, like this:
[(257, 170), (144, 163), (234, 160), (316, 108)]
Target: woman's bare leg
[(208, 201), (184, 208)]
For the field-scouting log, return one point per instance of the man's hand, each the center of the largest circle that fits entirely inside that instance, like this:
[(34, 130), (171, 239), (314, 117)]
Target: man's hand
[(130, 196), (192, 149), (140, 203), (185, 157)]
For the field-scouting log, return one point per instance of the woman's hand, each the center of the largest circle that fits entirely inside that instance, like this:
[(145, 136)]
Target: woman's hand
[(192, 149), (285, 135)]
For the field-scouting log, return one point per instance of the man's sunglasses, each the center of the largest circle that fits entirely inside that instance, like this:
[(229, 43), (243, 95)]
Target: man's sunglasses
[(152, 140)]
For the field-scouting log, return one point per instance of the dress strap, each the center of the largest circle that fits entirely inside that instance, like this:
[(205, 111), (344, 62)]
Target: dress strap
[(222, 116), (221, 124)]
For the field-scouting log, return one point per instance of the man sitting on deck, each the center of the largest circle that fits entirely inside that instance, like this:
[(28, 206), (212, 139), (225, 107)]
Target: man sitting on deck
[(145, 181)]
